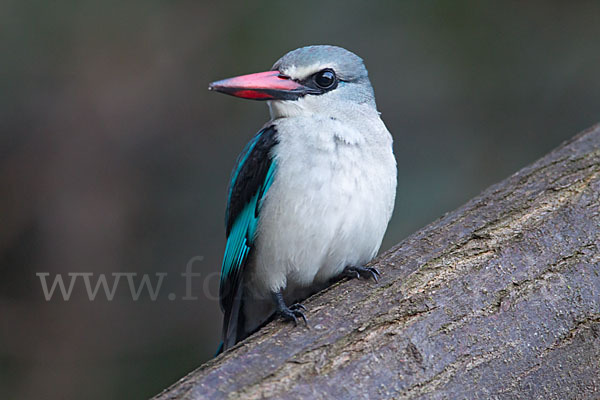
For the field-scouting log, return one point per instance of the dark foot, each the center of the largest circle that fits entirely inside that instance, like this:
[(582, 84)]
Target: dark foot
[(291, 313), (358, 272)]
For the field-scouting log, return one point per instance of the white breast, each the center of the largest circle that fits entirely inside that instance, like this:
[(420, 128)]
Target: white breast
[(329, 204)]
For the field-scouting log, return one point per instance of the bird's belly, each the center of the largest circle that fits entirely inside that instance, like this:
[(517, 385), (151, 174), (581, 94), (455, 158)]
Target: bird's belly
[(316, 221)]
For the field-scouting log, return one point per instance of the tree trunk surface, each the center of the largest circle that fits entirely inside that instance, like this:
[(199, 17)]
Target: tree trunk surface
[(499, 299)]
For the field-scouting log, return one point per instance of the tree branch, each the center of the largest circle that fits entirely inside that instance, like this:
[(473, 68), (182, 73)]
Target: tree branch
[(497, 299)]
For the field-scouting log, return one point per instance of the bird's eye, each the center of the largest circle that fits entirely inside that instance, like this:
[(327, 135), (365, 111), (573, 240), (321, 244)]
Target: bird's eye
[(325, 79)]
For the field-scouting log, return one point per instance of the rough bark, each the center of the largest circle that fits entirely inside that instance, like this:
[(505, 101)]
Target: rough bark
[(498, 299)]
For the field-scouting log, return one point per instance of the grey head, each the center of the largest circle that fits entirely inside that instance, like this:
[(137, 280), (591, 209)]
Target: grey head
[(332, 72), (320, 79)]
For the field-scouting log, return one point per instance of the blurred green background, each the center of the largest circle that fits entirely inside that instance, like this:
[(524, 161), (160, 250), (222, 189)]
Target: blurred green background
[(115, 158)]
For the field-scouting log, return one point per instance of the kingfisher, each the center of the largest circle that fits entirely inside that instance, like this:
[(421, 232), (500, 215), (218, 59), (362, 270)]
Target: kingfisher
[(312, 193)]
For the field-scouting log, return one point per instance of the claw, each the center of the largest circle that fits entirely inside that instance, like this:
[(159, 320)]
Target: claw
[(305, 321), (291, 313), (291, 316), (296, 306), (356, 272)]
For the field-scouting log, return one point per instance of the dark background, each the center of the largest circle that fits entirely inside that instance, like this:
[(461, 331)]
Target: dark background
[(115, 158)]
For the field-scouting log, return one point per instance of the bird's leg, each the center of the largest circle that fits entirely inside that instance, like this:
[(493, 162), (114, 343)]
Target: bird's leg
[(290, 313), (352, 271)]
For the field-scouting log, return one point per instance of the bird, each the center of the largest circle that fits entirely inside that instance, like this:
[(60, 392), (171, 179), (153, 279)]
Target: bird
[(312, 193)]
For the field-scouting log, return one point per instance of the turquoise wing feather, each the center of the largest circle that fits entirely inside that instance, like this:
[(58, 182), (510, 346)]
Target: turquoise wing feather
[(249, 184)]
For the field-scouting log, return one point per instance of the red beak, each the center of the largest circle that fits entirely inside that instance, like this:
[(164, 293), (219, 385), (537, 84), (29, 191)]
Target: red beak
[(269, 85)]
